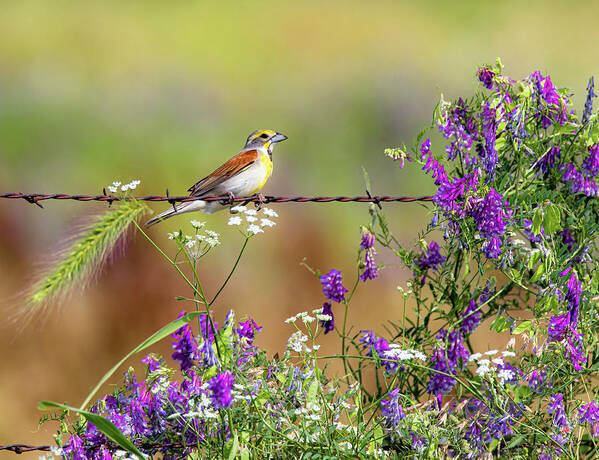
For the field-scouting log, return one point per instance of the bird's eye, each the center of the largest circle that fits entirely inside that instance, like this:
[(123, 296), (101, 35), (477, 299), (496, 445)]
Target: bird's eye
[(263, 135)]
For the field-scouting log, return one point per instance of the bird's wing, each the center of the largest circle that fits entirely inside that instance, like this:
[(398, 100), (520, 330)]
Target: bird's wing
[(234, 166)]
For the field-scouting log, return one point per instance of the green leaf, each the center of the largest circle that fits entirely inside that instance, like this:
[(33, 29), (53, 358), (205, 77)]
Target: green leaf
[(537, 221), (500, 324), (534, 257), (538, 273), (312, 390), (522, 327), (102, 424), (156, 337), (234, 447), (551, 220)]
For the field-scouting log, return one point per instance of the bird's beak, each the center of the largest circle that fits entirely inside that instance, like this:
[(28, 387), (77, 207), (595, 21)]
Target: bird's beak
[(278, 138)]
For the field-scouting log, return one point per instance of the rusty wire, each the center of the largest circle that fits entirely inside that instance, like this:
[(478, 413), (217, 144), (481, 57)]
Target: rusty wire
[(35, 198)]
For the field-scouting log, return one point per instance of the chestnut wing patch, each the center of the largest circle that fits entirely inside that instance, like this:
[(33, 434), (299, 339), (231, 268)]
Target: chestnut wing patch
[(234, 166)]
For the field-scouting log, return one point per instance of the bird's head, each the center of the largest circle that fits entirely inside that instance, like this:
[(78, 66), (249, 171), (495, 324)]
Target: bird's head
[(264, 138)]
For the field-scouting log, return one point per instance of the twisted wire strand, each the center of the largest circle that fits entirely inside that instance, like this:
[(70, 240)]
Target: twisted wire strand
[(35, 198)]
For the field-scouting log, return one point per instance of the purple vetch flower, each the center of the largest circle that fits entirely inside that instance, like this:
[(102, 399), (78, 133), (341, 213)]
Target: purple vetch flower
[(185, 346), (370, 269), (153, 362), (538, 381), (209, 358), (221, 386), (206, 325), (74, 449), (552, 106), (588, 105), (368, 239), (591, 163), (459, 126), (247, 331), (487, 151), (451, 192), (574, 349), (492, 248), (448, 356), (431, 164), (328, 325), (471, 318), (578, 182), (589, 413), (380, 347), (391, 409), (485, 76), (332, 286), (573, 293), (568, 240), (547, 162), (556, 407), (432, 258), (558, 327)]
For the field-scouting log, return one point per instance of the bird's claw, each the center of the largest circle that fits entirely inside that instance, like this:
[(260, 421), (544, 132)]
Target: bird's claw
[(231, 198), (260, 202)]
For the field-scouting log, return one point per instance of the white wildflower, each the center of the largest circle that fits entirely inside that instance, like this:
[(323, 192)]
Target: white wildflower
[(474, 356), (254, 229), (190, 243), (482, 371), (498, 361), (212, 233), (316, 311), (316, 347), (296, 342), (508, 354), (505, 375), (251, 212), (238, 208), (307, 319), (322, 317), (112, 189), (267, 223), (197, 224), (484, 362), (269, 212), (172, 236), (251, 219), (293, 319), (212, 242), (235, 220), (491, 352)]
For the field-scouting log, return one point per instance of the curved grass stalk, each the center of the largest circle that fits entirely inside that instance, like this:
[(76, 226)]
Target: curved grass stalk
[(86, 255)]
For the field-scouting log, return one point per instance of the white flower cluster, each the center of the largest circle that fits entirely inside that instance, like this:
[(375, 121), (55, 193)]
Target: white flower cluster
[(484, 365), (256, 225), (198, 244), (297, 342), (116, 186), (396, 353), (202, 407)]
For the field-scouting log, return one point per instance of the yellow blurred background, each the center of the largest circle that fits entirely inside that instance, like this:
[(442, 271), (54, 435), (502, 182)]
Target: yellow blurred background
[(92, 92)]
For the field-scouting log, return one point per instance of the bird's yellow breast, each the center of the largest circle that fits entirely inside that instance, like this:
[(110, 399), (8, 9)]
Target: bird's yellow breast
[(267, 166)]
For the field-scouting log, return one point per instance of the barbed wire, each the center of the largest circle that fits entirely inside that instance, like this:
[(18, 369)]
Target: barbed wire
[(23, 448), (35, 198)]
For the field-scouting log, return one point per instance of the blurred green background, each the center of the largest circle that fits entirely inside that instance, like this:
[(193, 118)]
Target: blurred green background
[(92, 92)]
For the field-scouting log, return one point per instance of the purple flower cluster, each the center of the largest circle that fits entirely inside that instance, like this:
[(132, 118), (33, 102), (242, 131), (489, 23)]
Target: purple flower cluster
[(328, 325), (460, 126), (448, 356), (185, 346), (485, 76), (432, 258), (220, 386), (589, 413), (379, 347), (391, 409), (471, 318), (588, 105), (486, 149), (553, 108), (556, 407), (432, 165), (332, 286), (371, 270), (548, 161), (579, 182)]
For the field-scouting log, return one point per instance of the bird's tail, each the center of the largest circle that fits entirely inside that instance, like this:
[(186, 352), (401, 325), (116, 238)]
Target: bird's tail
[(176, 210)]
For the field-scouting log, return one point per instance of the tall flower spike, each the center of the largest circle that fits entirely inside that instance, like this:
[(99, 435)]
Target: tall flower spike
[(391, 409), (221, 386), (588, 105)]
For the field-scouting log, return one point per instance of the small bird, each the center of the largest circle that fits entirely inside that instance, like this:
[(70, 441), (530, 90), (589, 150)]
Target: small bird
[(243, 175)]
